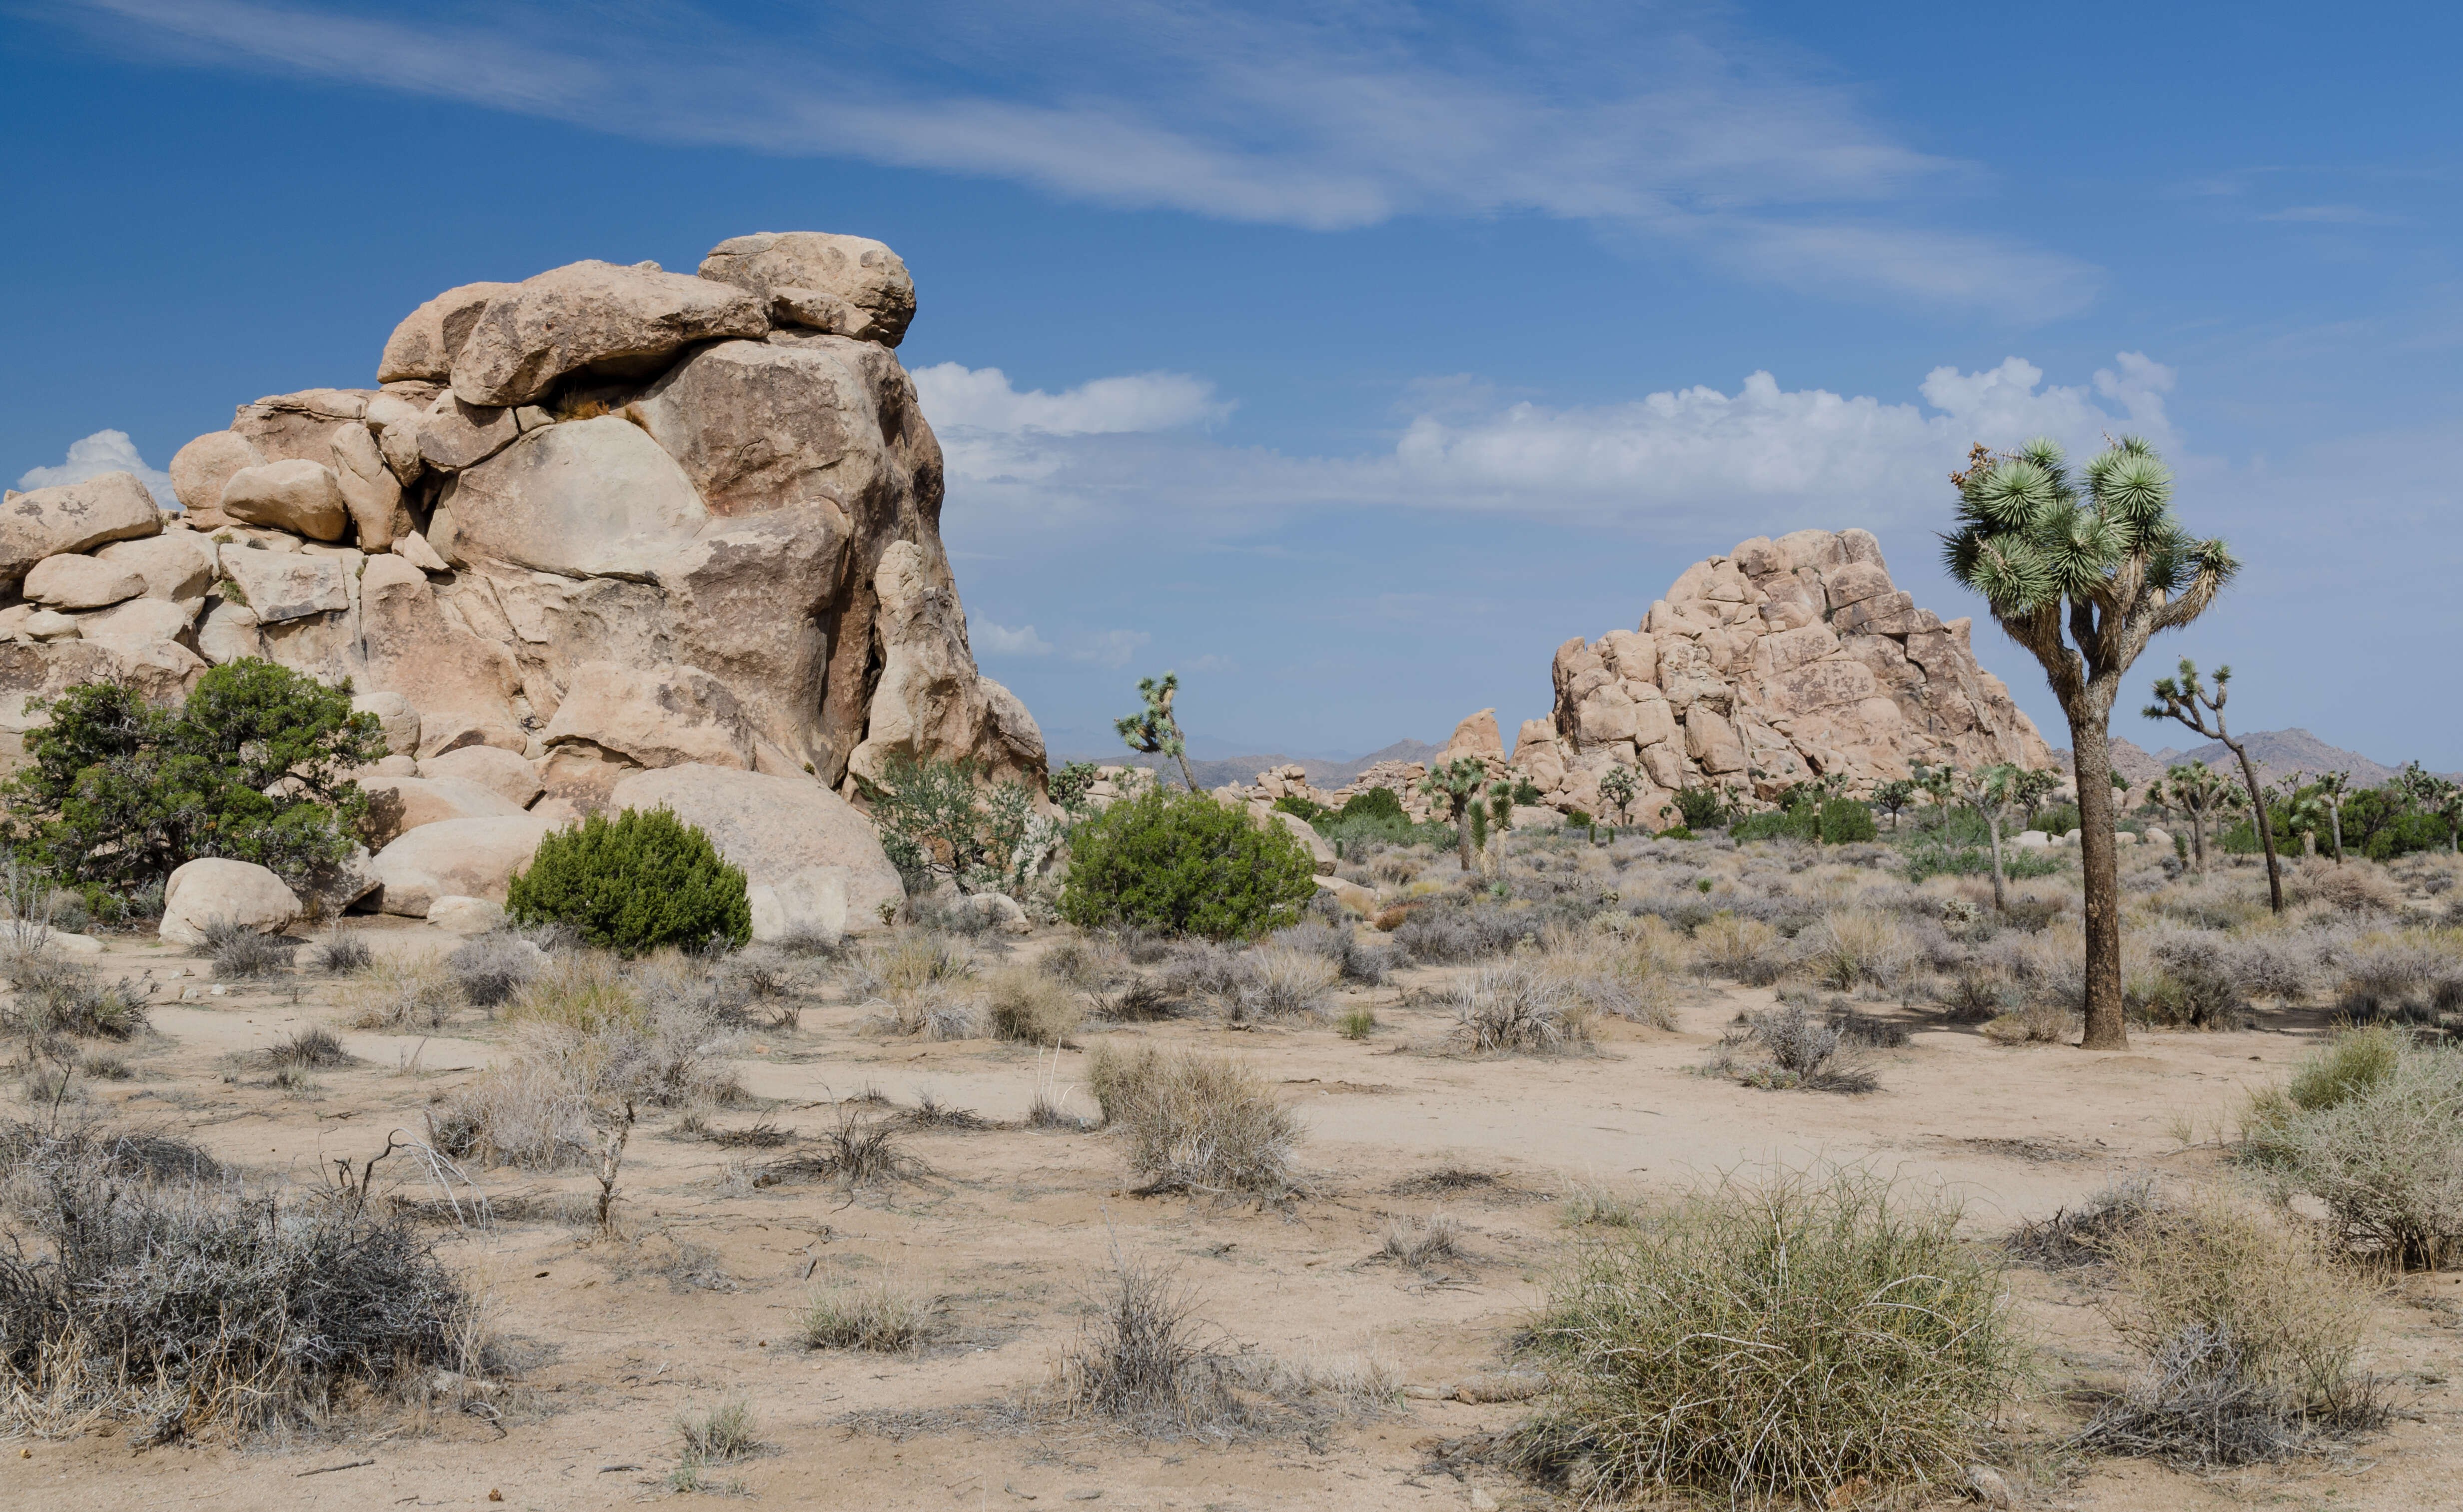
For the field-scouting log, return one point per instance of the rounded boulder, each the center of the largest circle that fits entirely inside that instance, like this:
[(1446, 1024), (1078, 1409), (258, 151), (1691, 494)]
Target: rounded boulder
[(213, 890)]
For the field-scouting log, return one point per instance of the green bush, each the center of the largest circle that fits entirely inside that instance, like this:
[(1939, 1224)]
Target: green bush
[(2058, 819), (1375, 803), (1928, 853), (634, 882), (940, 819), (1844, 821), (1306, 811), (254, 766), (1700, 808), (2373, 1125), (1183, 864), (1778, 823)]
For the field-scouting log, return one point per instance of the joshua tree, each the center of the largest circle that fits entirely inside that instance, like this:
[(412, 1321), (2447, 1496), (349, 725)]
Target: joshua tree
[(2431, 794), (1154, 731), (1890, 797), (2196, 791), (1938, 783), (2029, 789), (1989, 792), (1617, 786), (2083, 583), (2330, 789), (1457, 784), (2202, 709)]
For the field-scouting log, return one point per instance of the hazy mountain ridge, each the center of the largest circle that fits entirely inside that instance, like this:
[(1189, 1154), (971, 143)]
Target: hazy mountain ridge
[(1321, 773), (2277, 755)]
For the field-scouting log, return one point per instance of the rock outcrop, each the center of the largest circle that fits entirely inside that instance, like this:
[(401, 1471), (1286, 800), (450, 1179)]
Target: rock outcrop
[(598, 521), (1781, 662)]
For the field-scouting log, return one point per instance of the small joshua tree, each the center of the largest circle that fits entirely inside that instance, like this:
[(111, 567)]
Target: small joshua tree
[(2196, 790), (2029, 789), (1990, 792), (1892, 797), (2431, 794), (1617, 786), (1457, 784), (2331, 789), (2083, 583), (2188, 699), (1154, 731), (1940, 784)]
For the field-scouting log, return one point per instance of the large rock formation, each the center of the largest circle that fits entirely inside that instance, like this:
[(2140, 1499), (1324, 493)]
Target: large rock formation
[(1781, 661), (604, 520)]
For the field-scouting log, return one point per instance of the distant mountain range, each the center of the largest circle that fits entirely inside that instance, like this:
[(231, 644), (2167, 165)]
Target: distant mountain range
[(2276, 753), (1322, 773)]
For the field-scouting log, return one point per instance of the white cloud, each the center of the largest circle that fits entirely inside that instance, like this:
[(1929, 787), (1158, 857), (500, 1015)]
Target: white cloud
[(957, 397), (1661, 121), (1109, 648), (103, 451), (1002, 641), (1682, 462)]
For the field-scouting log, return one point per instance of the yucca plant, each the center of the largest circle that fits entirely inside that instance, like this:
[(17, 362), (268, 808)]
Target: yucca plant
[(2084, 582), (1456, 784)]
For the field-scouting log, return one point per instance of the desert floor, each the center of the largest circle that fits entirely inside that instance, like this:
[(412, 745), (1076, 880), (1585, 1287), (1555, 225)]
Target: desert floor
[(692, 1302)]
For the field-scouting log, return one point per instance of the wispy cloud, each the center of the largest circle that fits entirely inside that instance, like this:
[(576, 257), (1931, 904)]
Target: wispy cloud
[(1674, 465), (1109, 648), (1664, 120), (1001, 640), (957, 397), (103, 451)]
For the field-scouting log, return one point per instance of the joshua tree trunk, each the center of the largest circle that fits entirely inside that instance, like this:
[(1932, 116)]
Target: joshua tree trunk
[(2090, 718), (2266, 821), (2198, 839), (2335, 818), (2000, 885)]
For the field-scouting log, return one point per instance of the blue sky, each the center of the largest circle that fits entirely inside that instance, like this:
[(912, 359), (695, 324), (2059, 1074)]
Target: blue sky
[(1348, 357)]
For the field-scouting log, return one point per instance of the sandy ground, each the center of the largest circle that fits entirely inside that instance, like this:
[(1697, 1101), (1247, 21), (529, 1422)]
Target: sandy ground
[(693, 1303)]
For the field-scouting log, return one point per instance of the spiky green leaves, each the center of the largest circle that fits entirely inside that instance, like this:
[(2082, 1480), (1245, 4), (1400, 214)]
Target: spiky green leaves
[(2027, 539)]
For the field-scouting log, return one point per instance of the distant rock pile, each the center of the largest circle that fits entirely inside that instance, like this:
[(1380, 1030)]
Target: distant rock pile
[(1781, 661), (607, 520)]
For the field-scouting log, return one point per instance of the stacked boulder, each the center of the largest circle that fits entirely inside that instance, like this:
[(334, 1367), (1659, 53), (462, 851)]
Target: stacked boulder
[(604, 522), (1783, 661)]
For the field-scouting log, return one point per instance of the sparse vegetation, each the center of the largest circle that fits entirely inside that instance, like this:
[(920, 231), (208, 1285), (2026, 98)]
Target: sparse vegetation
[(1773, 1338), (2373, 1125), (884, 1316), (1025, 1004), (1195, 1122)]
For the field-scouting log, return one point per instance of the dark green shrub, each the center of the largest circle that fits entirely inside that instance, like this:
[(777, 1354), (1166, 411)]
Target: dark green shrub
[(1180, 863), (2060, 819), (1701, 808), (634, 882), (1375, 803), (1778, 823), (1309, 813), (1844, 822), (254, 766), (1526, 792)]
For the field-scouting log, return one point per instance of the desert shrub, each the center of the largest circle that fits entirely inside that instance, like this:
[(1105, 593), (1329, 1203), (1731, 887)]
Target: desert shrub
[(2413, 978), (1748, 949), (1773, 1340), (489, 969), (2036, 1022), (2248, 1332), (1518, 1007), (927, 983), (413, 992), (725, 1432), (1280, 982), (2373, 1125), (141, 1292), (882, 1316), (1621, 972), (312, 1047), (1087, 963), (1421, 1241), (55, 995), (239, 951), (1803, 823), (1845, 821), (1183, 864), (945, 819), (345, 951), (634, 882), (1853, 946), (2192, 987), (1195, 1122), (1025, 1004), (1444, 933), (2356, 887), (856, 1152), (253, 765), (1141, 1358), (1786, 1046), (2081, 1236), (1367, 964)]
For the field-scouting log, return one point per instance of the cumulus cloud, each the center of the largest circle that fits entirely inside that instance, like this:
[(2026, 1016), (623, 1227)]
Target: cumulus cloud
[(1001, 640), (1676, 463), (1664, 121), (960, 398), (103, 451)]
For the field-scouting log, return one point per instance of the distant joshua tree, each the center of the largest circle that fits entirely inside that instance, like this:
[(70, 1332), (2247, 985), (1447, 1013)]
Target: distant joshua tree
[(1617, 786), (1457, 784), (2083, 583), (1990, 792), (1154, 731), (2196, 790), (2184, 697), (1891, 797)]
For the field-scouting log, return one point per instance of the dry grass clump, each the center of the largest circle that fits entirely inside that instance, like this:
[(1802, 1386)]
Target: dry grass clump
[(2357, 886), (1365, 962), (1787, 1047), (1421, 1242), (1027, 1005), (582, 991), (1196, 1122), (403, 992), (1749, 950), (884, 1316), (927, 982), (1625, 973), (345, 952), (1281, 981), (2037, 1023), (2077, 1236), (239, 951), (54, 995), (1773, 1340), (491, 968), (1857, 946), (1519, 1009), (2409, 977), (724, 1433), (2248, 1333), (312, 1047), (1142, 1358), (858, 1152), (2373, 1125), (138, 1291)]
